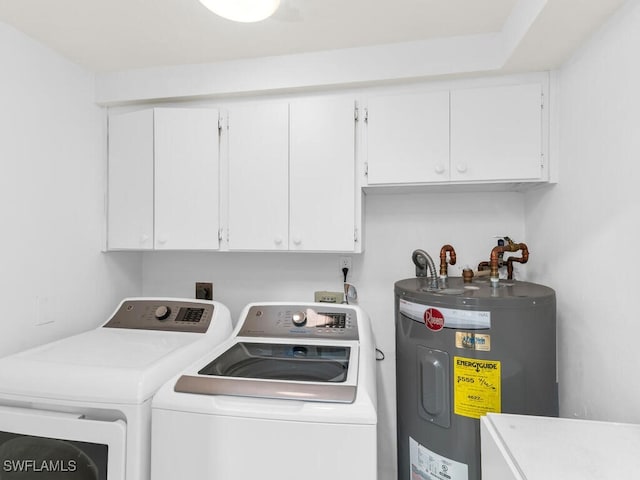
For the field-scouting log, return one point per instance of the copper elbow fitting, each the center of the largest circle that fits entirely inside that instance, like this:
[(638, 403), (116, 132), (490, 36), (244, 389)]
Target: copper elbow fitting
[(443, 259), (483, 266), (510, 247), (523, 259)]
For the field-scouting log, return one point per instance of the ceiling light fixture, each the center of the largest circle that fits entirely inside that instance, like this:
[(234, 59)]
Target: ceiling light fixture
[(242, 10)]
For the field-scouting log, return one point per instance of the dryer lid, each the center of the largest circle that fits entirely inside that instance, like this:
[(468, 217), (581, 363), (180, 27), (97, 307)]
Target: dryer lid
[(106, 365)]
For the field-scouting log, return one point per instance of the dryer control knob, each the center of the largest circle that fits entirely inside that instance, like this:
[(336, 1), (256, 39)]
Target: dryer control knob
[(299, 318), (162, 312)]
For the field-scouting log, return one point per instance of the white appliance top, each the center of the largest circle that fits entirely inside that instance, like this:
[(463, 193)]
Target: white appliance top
[(120, 362), (539, 448)]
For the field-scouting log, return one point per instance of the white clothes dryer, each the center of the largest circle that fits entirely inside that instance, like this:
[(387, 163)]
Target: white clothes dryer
[(291, 394), (80, 408)]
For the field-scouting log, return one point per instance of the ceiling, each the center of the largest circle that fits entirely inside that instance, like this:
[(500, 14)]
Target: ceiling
[(116, 35)]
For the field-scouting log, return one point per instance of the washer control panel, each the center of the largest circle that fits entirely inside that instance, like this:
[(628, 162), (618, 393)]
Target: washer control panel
[(163, 314), (292, 321)]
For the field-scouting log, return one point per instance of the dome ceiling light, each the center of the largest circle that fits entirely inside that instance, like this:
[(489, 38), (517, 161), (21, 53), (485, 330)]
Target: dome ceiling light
[(246, 11)]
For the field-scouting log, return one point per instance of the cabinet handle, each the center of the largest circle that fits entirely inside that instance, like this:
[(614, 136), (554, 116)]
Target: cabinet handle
[(439, 169), (462, 167)]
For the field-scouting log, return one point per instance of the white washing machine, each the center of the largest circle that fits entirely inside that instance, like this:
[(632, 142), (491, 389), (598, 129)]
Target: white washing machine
[(80, 408), (291, 395)]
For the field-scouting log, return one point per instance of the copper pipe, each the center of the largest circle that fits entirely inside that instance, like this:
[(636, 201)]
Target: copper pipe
[(482, 273), (483, 266), (523, 259), (443, 259), (509, 247)]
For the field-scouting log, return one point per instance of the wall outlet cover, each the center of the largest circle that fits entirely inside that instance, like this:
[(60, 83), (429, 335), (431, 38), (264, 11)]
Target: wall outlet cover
[(328, 297), (204, 290)]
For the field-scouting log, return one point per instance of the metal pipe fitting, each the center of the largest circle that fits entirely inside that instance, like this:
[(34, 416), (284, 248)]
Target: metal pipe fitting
[(496, 254), (443, 259), (424, 263)]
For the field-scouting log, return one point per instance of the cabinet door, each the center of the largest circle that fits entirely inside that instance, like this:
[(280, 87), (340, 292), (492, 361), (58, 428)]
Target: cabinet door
[(322, 175), (186, 179), (496, 133), (130, 181), (408, 138), (259, 177)]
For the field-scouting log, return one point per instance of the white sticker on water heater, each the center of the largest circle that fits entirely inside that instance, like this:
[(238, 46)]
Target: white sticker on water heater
[(453, 318), (428, 465)]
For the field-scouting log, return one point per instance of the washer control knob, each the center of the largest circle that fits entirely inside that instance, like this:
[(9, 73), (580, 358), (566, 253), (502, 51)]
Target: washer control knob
[(299, 319), (162, 312)]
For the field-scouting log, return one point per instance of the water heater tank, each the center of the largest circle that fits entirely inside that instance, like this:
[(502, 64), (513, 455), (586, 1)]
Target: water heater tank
[(462, 352)]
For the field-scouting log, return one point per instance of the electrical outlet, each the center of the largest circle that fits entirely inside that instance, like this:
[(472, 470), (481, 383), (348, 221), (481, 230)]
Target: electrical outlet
[(204, 290), (345, 262), (328, 297)]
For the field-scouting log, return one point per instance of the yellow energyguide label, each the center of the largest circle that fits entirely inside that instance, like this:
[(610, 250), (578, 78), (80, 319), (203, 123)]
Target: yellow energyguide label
[(476, 388)]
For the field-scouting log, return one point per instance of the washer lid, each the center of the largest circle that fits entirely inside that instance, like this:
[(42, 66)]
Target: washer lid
[(294, 371), (106, 365), (282, 361)]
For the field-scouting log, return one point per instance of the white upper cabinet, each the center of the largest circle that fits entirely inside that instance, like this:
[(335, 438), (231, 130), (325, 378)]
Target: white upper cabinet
[(163, 179), (496, 133), (259, 177), (186, 179), (322, 195), (489, 134), (291, 168), (408, 138), (130, 180)]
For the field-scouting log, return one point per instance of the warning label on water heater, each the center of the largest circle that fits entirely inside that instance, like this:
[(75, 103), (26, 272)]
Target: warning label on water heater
[(476, 388), (428, 465)]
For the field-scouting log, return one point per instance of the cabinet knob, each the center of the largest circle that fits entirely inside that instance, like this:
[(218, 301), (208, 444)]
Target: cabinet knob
[(297, 240), (144, 238), (278, 240), (462, 167), (439, 169), (162, 240)]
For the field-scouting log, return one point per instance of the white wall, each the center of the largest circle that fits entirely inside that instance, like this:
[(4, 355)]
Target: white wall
[(586, 227), (396, 225), (52, 156)]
